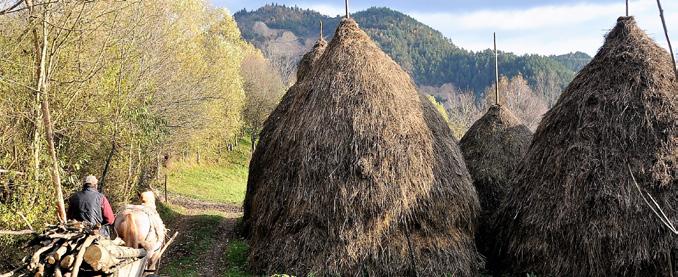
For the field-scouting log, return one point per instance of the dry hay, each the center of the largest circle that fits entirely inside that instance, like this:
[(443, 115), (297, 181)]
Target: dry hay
[(573, 209), (368, 179), (272, 134), (309, 59), (492, 148)]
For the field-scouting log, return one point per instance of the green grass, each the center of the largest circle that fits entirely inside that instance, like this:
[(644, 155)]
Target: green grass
[(236, 255), (199, 241), (194, 245), (222, 183)]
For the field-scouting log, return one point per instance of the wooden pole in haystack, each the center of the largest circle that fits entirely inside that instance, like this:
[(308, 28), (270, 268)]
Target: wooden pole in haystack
[(666, 33), (346, 5), (496, 71), (321, 29), (627, 8)]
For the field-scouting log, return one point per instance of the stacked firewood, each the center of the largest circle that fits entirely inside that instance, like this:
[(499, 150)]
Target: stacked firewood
[(73, 248)]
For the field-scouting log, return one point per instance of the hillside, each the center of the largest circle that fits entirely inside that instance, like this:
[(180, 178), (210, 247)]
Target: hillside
[(284, 33)]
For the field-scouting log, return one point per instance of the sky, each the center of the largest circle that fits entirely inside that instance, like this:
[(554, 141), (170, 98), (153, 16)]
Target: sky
[(522, 26)]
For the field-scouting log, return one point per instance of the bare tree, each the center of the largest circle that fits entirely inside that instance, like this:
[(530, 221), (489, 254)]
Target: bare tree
[(263, 88)]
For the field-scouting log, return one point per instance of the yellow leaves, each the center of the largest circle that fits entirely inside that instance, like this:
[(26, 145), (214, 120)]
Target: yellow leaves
[(439, 107), (150, 75)]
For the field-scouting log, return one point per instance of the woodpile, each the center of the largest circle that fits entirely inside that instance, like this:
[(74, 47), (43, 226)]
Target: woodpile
[(73, 248)]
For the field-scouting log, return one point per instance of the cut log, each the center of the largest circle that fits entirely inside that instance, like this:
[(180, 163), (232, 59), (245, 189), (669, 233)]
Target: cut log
[(81, 254), (99, 258), (67, 261), (105, 256), (57, 271), (35, 260), (41, 271), (60, 252)]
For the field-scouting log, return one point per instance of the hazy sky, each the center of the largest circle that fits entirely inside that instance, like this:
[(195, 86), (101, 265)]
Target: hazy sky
[(522, 26)]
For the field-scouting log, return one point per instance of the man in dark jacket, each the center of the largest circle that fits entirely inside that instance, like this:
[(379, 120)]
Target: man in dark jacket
[(91, 206)]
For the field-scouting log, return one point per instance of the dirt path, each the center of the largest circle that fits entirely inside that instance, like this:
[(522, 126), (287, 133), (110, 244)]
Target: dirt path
[(205, 230)]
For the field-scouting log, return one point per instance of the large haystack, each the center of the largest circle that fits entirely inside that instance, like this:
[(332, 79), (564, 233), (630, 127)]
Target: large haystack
[(368, 181), (573, 210), (492, 148), (272, 134)]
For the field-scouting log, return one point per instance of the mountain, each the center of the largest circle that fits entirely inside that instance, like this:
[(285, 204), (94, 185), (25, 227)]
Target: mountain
[(573, 61), (285, 33)]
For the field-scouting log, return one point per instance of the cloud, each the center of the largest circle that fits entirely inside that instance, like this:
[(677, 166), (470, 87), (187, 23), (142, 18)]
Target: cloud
[(528, 19), (325, 9), (547, 29), (526, 27)]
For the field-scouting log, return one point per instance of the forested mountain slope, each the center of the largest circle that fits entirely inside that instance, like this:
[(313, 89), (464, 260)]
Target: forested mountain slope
[(284, 33)]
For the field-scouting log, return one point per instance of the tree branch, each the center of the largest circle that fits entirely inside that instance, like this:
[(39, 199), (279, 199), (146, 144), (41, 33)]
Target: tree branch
[(16, 233), (9, 9)]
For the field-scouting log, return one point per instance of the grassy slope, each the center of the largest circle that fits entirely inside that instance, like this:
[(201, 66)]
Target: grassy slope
[(223, 183)]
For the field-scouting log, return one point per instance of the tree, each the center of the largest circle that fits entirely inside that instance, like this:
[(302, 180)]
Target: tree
[(523, 102), (263, 87), (94, 86), (461, 106)]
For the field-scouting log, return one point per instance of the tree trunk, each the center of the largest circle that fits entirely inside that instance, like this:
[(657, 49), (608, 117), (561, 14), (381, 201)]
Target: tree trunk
[(254, 141), (35, 143), (41, 45), (106, 166)]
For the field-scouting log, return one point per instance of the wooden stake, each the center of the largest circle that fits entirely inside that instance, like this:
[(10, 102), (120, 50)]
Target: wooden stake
[(162, 250), (496, 71), (346, 4), (627, 8), (666, 33), (321, 29)]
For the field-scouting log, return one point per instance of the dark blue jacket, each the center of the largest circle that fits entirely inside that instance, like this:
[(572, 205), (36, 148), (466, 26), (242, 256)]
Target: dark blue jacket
[(90, 206)]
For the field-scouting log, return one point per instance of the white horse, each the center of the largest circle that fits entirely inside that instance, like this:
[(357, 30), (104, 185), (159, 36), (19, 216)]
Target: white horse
[(140, 226)]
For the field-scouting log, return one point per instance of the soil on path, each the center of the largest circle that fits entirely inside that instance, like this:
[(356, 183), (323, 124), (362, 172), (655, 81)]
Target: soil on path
[(211, 226)]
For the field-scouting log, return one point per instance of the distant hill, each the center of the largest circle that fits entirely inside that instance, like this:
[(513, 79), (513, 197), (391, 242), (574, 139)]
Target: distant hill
[(285, 33), (573, 61)]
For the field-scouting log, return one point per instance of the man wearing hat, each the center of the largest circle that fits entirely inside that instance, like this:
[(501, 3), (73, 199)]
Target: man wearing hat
[(91, 206)]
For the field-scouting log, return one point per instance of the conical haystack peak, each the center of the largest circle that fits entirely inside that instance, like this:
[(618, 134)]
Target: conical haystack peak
[(573, 209), (492, 148), (310, 58), (360, 178)]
